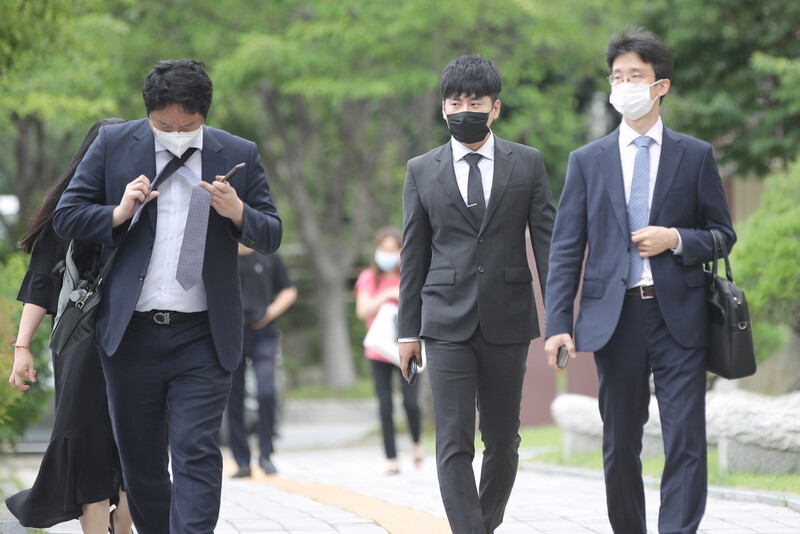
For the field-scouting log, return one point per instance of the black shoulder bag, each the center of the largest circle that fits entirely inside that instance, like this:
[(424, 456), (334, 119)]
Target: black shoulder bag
[(81, 289), (730, 352)]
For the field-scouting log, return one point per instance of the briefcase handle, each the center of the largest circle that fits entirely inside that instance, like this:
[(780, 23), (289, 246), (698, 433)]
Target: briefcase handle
[(719, 251)]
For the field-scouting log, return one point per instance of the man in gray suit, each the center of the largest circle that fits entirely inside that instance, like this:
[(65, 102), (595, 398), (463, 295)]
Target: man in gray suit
[(465, 288)]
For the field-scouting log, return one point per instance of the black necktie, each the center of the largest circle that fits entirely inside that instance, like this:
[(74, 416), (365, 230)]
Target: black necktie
[(475, 201)]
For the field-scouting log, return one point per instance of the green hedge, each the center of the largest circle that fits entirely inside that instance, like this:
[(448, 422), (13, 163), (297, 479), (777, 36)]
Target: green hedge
[(767, 257), (18, 409)]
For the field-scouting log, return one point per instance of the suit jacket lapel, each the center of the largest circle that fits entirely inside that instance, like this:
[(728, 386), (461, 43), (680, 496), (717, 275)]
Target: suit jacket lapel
[(503, 166), (143, 158), (447, 179), (610, 166), (213, 163), (671, 154)]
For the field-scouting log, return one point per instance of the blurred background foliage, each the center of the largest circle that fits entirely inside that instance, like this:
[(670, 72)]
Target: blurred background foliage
[(339, 95)]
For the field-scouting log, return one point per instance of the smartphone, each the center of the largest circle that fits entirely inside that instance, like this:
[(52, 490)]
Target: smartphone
[(232, 172), (413, 372), (563, 357)]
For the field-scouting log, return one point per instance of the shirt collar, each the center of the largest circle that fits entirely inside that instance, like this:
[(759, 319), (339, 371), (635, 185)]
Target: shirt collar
[(486, 150), (628, 134)]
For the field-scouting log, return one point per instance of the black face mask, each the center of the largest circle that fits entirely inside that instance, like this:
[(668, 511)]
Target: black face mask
[(468, 126)]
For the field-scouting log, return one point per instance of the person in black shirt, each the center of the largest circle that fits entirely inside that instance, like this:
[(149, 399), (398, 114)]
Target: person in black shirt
[(267, 292)]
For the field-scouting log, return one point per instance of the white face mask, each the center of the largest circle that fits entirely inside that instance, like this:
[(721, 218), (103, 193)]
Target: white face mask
[(176, 142), (386, 261), (632, 99)]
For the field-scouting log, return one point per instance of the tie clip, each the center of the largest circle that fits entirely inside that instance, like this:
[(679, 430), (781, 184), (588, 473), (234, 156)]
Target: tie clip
[(471, 205)]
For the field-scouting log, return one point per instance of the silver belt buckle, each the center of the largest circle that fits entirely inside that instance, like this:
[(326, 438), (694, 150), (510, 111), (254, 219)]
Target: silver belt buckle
[(641, 292), (161, 318)]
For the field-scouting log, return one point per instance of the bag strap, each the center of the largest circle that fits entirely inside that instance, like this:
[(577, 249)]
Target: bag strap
[(174, 164), (720, 251)]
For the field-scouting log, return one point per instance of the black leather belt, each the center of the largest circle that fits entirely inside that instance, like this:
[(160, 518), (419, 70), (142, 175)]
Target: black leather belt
[(165, 318), (644, 292)]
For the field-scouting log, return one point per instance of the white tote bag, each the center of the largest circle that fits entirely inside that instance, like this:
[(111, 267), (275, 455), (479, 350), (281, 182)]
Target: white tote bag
[(382, 335)]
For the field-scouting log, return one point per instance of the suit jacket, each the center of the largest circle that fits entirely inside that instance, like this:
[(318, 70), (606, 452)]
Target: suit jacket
[(120, 154), (454, 275), (688, 196)]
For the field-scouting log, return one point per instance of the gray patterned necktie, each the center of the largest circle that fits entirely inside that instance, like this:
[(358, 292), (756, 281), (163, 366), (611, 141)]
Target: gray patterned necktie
[(190, 262), (475, 199), (638, 204)]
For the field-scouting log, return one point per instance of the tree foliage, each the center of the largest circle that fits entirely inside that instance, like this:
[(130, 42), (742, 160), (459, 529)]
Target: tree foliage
[(346, 93), (735, 76)]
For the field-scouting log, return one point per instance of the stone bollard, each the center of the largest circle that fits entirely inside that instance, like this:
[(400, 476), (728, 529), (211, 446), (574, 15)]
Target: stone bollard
[(756, 433), (579, 418)]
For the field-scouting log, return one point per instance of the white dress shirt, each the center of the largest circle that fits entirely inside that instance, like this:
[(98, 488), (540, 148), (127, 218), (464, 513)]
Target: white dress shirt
[(485, 164), (160, 290), (627, 152)]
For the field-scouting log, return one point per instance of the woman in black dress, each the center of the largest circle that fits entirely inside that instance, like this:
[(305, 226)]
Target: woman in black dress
[(80, 475)]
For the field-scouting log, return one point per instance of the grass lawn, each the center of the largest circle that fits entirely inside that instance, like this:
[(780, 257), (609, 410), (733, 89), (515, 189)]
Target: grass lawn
[(546, 443)]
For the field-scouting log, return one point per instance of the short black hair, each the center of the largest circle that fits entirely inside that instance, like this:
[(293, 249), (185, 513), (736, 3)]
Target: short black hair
[(470, 75), (178, 81), (646, 45)]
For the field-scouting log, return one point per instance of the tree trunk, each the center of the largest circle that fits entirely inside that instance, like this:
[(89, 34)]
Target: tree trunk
[(334, 337)]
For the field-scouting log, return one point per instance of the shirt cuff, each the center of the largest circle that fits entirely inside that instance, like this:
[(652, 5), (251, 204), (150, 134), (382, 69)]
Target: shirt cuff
[(678, 251), (408, 340)]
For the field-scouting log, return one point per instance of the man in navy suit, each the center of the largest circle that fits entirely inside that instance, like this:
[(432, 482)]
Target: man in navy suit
[(643, 200), (170, 339)]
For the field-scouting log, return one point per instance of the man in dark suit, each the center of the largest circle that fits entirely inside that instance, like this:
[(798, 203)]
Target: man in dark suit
[(643, 200), (465, 288), (170, 322)]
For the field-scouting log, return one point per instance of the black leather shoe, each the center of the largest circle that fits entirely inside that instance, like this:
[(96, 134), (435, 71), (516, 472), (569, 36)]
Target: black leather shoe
[(267, 465), (242, 472)]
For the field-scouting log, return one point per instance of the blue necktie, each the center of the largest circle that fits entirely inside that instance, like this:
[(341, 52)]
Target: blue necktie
[(638, 205), (475, 199), (190, 262)]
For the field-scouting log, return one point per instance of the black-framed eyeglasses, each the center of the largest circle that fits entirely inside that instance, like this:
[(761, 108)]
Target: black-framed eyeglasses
[(636, 77)]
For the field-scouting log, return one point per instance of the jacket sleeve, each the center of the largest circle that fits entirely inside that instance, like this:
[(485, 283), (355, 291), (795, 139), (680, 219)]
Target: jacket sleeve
[(713, 213), (415, 258), (567, 251), (262, 229), (82, 212), (541, 217)]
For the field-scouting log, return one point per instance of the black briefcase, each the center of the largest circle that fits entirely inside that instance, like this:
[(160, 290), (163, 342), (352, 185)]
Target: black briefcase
[(730, 352)]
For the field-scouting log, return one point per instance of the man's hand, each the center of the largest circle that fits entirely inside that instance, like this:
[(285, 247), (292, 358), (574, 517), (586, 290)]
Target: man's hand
[(551, 346), (653, 240), (408, 350), (23, 370), (135, 194), (225, 200)]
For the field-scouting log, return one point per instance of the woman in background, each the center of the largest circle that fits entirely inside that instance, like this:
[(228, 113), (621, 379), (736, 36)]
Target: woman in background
[(80, 475), (377, 285)]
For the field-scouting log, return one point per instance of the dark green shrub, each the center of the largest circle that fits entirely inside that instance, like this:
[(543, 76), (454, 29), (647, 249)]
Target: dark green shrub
[(766, 260), (18, 410)]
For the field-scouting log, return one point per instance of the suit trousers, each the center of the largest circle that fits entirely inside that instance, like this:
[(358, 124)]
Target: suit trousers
[(261, 348), (461, 373), (642, 344), (166, 388)]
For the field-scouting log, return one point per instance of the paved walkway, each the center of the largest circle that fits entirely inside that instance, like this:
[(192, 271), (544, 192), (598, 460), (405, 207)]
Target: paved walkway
[(343, 489)]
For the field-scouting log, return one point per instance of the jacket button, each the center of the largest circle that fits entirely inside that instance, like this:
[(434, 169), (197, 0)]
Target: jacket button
[(150, 246), (481, 239), (141, 277), (481, 268), (624, 281)]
